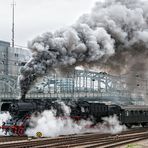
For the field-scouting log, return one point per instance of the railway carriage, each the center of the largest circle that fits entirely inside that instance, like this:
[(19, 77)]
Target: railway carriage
[(134, 115)]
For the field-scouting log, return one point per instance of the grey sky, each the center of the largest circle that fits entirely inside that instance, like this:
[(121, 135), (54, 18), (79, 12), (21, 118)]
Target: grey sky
[(33, 17)]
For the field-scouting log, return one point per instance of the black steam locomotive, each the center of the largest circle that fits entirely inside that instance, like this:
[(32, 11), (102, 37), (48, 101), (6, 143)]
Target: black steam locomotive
[(21, 111)]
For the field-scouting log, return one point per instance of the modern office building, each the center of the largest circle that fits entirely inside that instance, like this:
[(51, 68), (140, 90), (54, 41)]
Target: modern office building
[(4, 57), (11, 59)]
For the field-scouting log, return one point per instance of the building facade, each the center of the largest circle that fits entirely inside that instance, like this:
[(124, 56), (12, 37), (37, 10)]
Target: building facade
[(4, 57), (11, 59)]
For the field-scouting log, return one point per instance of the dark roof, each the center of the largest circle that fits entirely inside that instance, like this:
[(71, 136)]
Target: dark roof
[(135, 107), (4, 43)]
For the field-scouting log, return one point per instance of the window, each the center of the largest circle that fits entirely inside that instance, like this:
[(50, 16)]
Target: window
[(144, 113), (136, 112), (82, 109), (22, 63), (4, 55), (16, 54), (16, 63), (132, 112), (140, 112), (127, 113), (2, 62)]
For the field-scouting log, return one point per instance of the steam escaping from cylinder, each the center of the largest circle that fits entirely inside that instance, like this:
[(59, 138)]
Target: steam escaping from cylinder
[(111, 125), (4, 117), (109, 37), (52, 126)]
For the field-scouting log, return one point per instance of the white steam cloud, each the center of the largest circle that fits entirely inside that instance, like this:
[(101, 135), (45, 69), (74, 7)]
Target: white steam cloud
[(111, 125), (4, 116), (52, 126)]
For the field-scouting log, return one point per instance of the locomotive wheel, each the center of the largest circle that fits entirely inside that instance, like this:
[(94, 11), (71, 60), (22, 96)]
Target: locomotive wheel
[(128, 125), (143, 124), (21, 131)]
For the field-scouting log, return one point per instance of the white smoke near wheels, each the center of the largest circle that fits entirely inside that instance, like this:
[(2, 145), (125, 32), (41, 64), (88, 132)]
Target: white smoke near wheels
[(111, 125), (115, 32), (4, 116), (51, 125)]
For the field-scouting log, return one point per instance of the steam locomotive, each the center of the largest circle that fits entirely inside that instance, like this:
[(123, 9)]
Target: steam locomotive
[(21, 111)]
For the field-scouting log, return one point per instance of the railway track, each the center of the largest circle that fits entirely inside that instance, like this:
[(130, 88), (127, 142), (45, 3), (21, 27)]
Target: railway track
[(92, 140), (11, 138)]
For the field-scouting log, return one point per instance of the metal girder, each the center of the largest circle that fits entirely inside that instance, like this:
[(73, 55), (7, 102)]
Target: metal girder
[(83, 84), (8, 83)]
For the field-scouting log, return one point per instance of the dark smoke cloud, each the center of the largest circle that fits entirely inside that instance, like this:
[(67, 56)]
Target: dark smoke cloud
[(115, 32)]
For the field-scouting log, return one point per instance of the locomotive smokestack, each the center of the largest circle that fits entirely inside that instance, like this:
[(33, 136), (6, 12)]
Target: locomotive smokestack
[(112, 34), (25, 84), (23, 96)]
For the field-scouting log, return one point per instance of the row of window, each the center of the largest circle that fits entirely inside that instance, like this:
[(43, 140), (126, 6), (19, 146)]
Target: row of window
[(12, 71), (12, 63), (15, 54), (136, 113)]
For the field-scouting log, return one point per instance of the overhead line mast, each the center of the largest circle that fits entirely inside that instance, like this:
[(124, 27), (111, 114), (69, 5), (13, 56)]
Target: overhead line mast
[(13, 5)]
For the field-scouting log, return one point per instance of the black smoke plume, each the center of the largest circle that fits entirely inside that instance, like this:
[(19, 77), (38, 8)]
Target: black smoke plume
[(113, 34)]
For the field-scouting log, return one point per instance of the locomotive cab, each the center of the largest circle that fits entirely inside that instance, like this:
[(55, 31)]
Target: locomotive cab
[(98, 110), (114, 109)]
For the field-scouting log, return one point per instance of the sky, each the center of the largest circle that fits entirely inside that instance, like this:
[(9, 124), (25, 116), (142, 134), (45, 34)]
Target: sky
[(34, 17)]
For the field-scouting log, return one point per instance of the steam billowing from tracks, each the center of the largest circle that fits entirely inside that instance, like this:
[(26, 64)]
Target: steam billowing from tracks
[(115, 32), (52, 126), (4, 116)]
